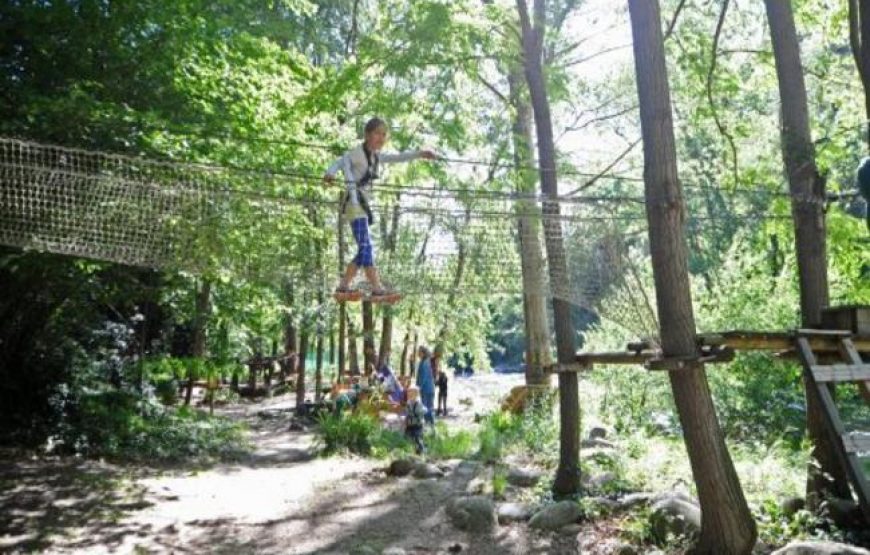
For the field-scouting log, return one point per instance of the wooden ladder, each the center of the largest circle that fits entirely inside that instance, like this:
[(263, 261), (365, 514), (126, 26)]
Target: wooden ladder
[(822, 377)]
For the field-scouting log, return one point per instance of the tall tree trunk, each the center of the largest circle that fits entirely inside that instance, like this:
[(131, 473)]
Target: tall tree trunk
[(726, 523), (807, 189), (859, 39), (403, 363), (290, 344), (386, 337), (567, 480), (342, 307), (368, 336), (331, 345), (412, 360), (389, 242), (537, 328), (453, 294), (300, 374), (200, 320), (352, 353), (318, 375)]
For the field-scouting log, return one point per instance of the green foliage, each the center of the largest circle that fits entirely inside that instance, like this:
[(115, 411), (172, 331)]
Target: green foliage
[(359, 433), (442, 443), (123, 426), (499, 483)]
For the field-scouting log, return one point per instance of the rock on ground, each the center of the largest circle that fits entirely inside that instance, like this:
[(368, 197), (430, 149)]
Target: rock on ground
[(676, 516), (401, 467), (523, 477), (472, 514), (556, 516), (820, 548), (427, 470), (514, 512)]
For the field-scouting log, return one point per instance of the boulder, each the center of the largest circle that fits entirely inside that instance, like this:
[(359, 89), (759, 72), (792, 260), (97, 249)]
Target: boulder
[(597, 443), (674, 516), (427, 470), (394, 551), (523, 477), (467, 469), (556, 516), (477, 486), (598, 432), (820, 548), (401, 467), (475, 513), (514, 512)]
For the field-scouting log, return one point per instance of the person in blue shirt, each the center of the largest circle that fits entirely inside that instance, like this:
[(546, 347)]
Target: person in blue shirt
[(426, 383)]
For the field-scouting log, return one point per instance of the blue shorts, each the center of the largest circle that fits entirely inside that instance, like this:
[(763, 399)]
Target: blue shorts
[(365, 256)]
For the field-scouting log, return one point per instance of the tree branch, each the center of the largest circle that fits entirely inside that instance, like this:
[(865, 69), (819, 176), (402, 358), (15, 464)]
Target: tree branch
[(579, 61), (673, 22), (710, 74), (351, 35), (606, 170), (599, 119), (492, 88)]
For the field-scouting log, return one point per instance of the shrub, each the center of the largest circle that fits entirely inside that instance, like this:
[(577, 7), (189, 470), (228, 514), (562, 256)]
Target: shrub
[(123, 425), (444, 444)]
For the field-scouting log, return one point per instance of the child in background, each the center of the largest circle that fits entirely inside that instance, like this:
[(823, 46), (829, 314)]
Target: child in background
[(442, 393), (415, 412)]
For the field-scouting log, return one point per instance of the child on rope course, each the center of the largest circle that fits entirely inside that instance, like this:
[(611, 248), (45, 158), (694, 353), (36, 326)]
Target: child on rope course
[(360, 168)]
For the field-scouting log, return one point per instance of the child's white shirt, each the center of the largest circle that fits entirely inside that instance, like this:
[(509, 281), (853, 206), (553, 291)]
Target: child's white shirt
[(354, 164)]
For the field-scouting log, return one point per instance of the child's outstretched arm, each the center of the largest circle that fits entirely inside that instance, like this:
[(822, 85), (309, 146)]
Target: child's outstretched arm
[(408, 155)]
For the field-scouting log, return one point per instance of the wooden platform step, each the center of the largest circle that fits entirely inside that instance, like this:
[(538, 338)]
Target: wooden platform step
[(841, 373)]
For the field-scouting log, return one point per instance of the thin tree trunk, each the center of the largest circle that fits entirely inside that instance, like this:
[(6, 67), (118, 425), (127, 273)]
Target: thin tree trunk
[(342, 307), (352, 354), (387, 318), (567, 480), (200, 320), (403, 363), (290, 345), (537, 328), (386, 337), (807, 189), (726, 523), (300, 379), (331, 345), (368, 336), (859, 36), (318, 375), (412, 360)]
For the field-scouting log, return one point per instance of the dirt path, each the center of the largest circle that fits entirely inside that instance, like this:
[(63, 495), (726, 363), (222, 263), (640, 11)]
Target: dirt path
[(283, 499)]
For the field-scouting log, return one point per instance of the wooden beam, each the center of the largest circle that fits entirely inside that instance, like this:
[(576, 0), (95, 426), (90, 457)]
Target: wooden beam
[(779, 341), (621, 357), (841, 373)]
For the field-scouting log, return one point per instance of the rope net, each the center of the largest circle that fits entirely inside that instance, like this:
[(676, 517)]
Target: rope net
[(198, 218)]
